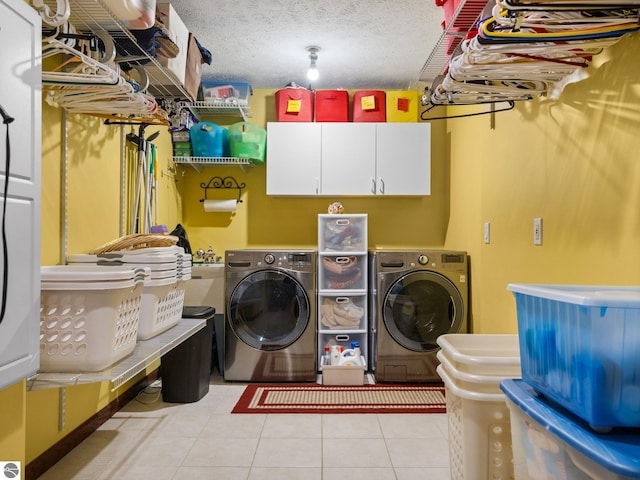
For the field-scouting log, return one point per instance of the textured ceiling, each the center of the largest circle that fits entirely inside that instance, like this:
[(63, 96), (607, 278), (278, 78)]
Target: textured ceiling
[(364, 44)]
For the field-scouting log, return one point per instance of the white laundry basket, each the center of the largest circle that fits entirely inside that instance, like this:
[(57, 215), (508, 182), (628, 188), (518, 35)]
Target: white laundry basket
[(479, 433), (162, 303), (472, 367), (89, 316)]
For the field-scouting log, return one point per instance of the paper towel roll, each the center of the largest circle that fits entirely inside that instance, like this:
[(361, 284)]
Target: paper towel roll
[(220, 205)]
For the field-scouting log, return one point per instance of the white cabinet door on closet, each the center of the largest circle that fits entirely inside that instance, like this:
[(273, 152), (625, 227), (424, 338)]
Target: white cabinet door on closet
[(348, 158), (20, 98), (403, 161), (293, 158)]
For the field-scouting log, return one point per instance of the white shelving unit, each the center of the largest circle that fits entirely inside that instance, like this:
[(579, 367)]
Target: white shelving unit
[(95, 16), (205, 109), (342, 282)]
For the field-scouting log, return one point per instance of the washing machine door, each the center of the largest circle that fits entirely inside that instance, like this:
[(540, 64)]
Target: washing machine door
[(419, 307), (268, 310)]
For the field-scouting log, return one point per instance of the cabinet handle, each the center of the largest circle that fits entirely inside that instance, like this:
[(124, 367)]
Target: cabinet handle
[(317, 185), (381, 182), (373, 186)]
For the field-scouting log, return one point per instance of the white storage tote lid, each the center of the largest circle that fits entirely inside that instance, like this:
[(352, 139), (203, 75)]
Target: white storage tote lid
[(617, 452), (586, 295)]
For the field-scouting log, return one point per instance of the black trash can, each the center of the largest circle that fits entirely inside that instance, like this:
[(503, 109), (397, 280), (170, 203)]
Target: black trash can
[(185, 370)]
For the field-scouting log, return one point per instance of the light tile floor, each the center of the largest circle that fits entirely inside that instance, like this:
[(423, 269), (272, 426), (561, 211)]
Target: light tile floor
[(151, 439)]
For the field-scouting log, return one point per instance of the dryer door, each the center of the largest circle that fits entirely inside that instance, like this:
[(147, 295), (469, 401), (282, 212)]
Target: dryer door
[(421, 306), (268, 310)]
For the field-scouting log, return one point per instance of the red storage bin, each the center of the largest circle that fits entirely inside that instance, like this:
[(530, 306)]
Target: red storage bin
[(369, 106), (294, 105), (332, 106)]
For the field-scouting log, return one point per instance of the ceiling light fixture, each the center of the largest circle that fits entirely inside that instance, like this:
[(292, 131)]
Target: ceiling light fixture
[(312, 73)]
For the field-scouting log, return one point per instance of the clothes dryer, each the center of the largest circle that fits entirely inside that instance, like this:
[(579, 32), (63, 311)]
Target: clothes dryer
[(418, 295), (270, 315)]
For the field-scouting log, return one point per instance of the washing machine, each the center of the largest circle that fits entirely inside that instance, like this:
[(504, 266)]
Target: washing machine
[(417, 296), (270, 315)]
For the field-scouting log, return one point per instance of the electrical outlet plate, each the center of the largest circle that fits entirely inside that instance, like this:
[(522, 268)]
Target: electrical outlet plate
[(537, 231), (487, 232)]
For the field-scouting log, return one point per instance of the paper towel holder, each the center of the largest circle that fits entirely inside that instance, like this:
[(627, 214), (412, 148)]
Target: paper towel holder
[(219, 183)]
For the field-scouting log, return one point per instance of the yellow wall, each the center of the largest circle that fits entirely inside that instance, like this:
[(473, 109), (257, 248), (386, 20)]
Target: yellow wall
[(571, 161), (13, 420)]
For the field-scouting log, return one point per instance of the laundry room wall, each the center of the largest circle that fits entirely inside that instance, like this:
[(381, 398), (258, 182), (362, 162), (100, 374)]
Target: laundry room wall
[(572, 162)]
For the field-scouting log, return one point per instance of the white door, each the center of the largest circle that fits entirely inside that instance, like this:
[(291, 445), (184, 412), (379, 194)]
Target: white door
[(348, 158), (403, 159), (20, 97), (293, 158)]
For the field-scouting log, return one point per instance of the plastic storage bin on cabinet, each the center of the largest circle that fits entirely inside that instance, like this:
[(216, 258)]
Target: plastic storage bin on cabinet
[(343, 233), (550, 442), (402, 106), (89, 316), (580, 345), (332, 106), (247, 140), (369, 106), (479, 432), (294, 105), (209, 140)]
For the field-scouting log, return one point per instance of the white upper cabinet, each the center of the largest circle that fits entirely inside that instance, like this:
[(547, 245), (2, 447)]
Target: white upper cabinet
[(403, 158), (295, 152), (358, 159), (348, 158)]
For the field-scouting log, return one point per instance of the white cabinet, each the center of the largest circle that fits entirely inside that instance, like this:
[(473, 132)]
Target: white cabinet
[(20, 97), (295, 150), (403, 158), (348, 159)]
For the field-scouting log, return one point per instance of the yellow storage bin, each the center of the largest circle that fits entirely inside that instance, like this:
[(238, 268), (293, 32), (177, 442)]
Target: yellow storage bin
[(402, 106)]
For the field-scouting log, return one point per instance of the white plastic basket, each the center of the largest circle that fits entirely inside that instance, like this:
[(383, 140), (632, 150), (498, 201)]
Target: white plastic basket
[(87, 326), (483, 354), (162, 302), (471, 381), (479, 433)]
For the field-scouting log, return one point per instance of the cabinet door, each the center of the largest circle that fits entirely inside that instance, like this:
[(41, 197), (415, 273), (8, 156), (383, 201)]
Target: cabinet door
[(20, 97), (403, 159), (293, 158), (348, 158)]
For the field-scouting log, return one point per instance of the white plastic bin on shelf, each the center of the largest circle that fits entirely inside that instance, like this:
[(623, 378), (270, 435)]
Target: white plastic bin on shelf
[(89, 316), (550, 442), (479, 432), (162, 302), (482, 354)]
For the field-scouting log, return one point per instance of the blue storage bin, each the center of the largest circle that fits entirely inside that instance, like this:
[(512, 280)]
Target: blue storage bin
[(580, 345), (550, 442), (209, 140)]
